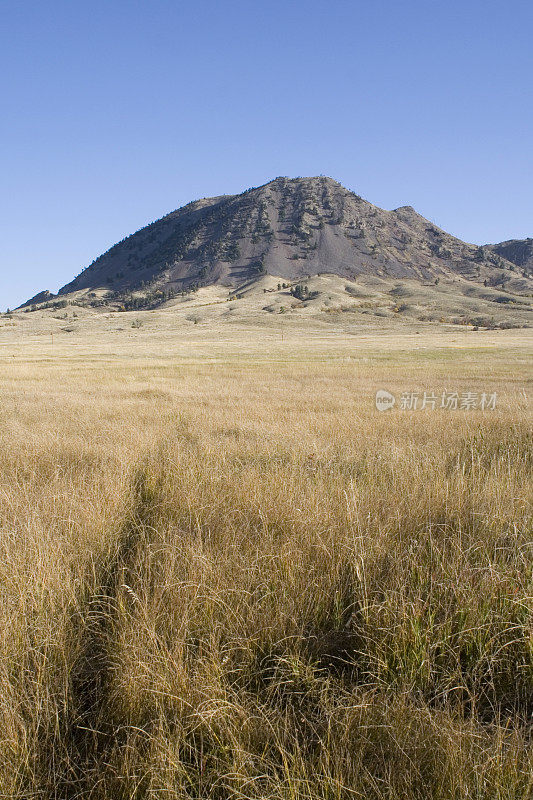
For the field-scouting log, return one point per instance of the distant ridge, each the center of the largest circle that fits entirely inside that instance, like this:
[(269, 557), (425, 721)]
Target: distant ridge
[(518, 251)]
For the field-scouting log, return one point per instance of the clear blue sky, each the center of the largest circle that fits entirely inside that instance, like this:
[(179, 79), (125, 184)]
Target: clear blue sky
[(114, 112)]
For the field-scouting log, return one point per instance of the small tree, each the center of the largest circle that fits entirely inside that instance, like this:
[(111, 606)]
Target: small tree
[(300, 292)]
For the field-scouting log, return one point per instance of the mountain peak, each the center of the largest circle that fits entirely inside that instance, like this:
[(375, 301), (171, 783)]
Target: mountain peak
[(288, 228)]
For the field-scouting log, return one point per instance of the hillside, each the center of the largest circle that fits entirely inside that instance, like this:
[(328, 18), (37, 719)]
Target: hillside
[(290, 229), (517, 251)]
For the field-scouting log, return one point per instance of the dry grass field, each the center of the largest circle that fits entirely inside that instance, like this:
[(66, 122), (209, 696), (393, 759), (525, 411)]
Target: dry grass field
[(225, 574)]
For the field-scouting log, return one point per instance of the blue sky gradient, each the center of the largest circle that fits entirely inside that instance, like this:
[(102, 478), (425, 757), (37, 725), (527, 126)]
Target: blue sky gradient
[(115, 112)]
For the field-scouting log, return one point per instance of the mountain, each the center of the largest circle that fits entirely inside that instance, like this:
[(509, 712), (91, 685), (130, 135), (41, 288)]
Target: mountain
[(518, 251), (289, 228)]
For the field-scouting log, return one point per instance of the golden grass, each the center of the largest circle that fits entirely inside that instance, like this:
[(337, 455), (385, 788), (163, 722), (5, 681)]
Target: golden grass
[(225, 575)]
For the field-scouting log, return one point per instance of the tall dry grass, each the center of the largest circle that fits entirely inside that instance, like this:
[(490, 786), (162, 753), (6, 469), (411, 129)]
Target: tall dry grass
[(239, 581)]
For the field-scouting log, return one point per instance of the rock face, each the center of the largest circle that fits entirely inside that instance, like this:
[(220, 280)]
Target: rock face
[(289, 228), (518, 251)]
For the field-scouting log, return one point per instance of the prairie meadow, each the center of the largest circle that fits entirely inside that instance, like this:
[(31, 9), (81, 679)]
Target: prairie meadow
[(225, 574)]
